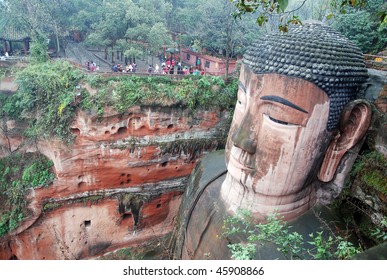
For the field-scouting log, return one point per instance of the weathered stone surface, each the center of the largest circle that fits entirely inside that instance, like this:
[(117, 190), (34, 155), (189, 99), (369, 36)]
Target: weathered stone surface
[(90, 228), (118, 185)]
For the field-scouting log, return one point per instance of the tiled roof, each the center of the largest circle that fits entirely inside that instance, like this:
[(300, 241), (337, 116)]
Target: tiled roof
[(10, 32)]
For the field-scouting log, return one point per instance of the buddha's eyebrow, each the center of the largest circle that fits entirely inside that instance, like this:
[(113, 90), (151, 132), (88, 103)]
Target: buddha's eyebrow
[(242, 86), (283, 101)]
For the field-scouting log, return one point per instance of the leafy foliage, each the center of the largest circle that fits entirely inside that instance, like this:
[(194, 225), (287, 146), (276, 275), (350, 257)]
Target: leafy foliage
[(264, 9), (38, 50), (277, 232), (371, 170), (380, 232), (44, 99), (18, 173), (192, 92), (365, 27)]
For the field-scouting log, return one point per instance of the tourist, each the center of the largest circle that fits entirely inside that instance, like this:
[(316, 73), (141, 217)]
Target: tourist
[(179, 69)]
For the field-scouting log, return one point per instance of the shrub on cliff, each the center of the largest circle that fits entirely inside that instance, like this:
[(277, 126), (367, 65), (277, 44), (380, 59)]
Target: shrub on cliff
[(191, 92), (46, 92), (18, 173)]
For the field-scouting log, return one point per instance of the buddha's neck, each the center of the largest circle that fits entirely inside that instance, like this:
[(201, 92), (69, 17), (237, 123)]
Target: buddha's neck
[(236, 196)]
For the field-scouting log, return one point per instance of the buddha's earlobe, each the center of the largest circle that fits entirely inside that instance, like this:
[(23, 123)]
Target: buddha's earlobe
[(354, 123)]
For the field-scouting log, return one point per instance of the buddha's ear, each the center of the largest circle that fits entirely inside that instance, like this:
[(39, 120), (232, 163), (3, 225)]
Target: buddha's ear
[(354, 123)]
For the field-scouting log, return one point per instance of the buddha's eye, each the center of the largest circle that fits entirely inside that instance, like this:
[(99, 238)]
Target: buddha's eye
[(278, 121), (281, 121)]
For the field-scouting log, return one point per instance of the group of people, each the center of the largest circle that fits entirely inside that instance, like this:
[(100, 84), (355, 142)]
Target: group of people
[(168, 67), (92, 66), (132, 67)]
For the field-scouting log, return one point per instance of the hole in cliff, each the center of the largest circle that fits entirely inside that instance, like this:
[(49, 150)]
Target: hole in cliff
[(164, 164), (128, 175), (107, 132), (76, 131), (158, 205), (13, 257), (121, 183), (87, 223), (123, 174), (122, 130), (170, 126), (128, 181), (81, 184), (127, 216), (113, 128), (176, 167)]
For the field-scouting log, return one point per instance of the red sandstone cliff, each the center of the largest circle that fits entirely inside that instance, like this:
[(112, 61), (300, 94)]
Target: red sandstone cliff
[(118, 185)]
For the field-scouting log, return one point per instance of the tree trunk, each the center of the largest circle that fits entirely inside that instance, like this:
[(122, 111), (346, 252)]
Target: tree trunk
[(227, 64), (57, 42)]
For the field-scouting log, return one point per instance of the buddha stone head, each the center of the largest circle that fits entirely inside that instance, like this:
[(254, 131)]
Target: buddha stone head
[(295, 118)]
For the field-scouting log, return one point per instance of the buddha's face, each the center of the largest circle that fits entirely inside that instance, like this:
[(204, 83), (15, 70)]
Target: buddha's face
[(278, 135)]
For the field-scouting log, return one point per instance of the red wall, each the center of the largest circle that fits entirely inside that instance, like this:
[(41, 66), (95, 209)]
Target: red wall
[(211, 65)]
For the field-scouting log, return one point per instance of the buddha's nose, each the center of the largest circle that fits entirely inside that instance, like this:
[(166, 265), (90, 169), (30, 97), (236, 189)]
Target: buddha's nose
[(244, 137)]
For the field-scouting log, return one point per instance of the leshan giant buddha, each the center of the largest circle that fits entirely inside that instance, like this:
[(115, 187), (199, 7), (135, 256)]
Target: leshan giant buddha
[(295, 117)]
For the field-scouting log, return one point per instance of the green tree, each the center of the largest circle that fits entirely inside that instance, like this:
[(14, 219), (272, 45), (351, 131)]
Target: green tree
[(83, 14), (38, 49), (209, 25), (365, 27), (227, 35), (110, 24), (289, 14), (148, 26), (359, 28), (40, 17)]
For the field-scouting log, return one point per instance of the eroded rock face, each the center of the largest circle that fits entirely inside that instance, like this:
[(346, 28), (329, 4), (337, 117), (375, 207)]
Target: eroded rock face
[(118, 185)]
